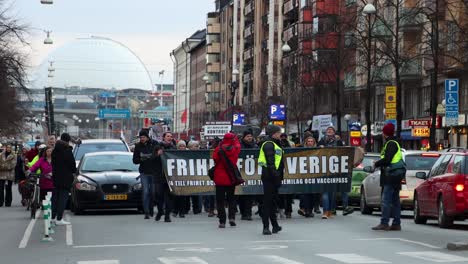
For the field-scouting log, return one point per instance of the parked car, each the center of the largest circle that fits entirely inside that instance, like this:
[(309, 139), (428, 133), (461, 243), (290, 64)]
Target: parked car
[(98, 145), (416, 161), (359, 175), (106, 180), (443, 195)]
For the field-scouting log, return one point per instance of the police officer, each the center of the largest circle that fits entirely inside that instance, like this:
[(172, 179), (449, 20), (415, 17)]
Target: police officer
[(390, 181), (246, 201), (271, 159)]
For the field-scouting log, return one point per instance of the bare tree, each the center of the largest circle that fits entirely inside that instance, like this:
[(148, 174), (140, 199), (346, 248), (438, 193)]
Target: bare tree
[(12, 71)]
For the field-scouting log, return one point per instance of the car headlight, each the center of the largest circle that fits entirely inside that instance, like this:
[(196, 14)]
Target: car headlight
[(137, 187), (84, 186)]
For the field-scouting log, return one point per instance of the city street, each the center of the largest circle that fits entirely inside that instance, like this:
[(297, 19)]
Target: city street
[(125, 237)]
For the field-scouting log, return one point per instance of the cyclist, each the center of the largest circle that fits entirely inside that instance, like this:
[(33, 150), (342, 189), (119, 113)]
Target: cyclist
[(44, 166)]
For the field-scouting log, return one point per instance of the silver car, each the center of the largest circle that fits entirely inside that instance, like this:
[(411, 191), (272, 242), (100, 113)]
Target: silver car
[(416, 161)]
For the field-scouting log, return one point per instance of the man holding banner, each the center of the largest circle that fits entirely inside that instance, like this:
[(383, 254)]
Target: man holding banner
[(271, 159)]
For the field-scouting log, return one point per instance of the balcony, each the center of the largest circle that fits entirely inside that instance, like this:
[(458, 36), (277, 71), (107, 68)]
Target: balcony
[(248, 76), (289, 6), (411, 20), (325, 41), (411, 70), (249, 8), (326, 7), (248, 54), (307, 15), (213, 67), (214, 28), (290, 32), (213, 87), (248, 31), (213, 48)]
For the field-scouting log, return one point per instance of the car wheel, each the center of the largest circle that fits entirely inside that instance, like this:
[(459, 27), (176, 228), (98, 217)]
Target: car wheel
[(75, 207), (418, 219), (140, 210), (365, 209), (444, 220)]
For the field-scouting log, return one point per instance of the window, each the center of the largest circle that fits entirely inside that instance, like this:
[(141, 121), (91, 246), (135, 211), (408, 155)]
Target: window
[(419, 162), (109, 163), (441, 165), (98, 147), (459, 165), (452, 35)]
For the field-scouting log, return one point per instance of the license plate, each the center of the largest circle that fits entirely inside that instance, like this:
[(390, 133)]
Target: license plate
[(115, 197)]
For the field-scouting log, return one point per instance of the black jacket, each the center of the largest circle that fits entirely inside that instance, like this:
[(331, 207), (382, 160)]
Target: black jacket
[(390, 151), (63, 165), (247, 145), (145, 155), (330, 142), (270, 173), (160, 176)]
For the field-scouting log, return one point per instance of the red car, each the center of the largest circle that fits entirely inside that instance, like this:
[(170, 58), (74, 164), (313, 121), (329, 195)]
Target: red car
[(444, 193)]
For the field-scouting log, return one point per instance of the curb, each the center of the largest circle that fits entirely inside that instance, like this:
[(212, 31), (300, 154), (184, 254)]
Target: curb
[(459, 245)]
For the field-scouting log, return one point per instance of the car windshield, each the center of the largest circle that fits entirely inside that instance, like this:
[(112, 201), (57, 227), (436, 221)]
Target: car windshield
[(367, 161), (108, 163), (98, 147), (420, 162)]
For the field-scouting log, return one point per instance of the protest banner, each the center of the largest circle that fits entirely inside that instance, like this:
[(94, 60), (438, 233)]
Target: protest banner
[(307, 170)]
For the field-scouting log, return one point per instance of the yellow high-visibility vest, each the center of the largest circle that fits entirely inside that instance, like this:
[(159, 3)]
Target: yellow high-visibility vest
[(278, 155)]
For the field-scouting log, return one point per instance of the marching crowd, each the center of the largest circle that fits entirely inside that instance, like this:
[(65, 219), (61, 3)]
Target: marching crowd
[(225, 154), (55, 164)]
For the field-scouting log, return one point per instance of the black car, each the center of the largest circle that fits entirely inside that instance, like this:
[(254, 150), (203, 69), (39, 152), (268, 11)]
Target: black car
[(106, 180)]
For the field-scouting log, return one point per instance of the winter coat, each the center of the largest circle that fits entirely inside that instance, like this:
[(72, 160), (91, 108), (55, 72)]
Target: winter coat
[(160, 177), (145, 156), (46, 182), (330, 142), (32, 154), (247, 145), (270, 173), (7, 166), (63, 165), (231, 148), (20, 169)]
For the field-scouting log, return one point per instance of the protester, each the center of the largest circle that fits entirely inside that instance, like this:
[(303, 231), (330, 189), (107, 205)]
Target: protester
[(145, 155), (51, 141), (285, 200), (180, 202), (164, 199), (329, 198), (44, 165), (309, 202), (7, 175), (196, 199), (33, 152), (246, 201), (227, 151), (20, 168), (63, 168), (209, 200), (271, 160), (391, 174)]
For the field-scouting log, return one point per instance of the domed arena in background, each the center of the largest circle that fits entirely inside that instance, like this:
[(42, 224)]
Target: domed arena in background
[(94, 62)]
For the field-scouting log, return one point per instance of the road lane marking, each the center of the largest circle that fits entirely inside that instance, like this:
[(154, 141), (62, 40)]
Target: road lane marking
[(193, 249), (176, 260), (399, 239), (282, 241), (69, 231), (351, 258), (268, 247), (434, 256), (28, 231), (278, 259), (136, 245), (110, 261)]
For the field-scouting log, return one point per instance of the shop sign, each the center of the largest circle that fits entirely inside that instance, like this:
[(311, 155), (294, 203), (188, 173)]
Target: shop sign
[(420, 132)]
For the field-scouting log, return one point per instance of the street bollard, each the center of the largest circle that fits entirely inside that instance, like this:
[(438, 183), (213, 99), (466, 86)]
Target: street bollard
[(47, 216), (51, 223)]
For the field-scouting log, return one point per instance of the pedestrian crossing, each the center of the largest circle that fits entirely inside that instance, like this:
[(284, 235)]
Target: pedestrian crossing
[(350, 258)]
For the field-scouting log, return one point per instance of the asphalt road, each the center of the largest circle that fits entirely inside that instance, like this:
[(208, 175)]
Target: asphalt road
[(112, 237)]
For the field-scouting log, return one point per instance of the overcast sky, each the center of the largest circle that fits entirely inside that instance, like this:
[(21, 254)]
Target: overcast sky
[(150, 28)]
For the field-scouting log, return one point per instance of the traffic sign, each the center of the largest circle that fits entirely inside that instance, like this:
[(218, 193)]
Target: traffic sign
[(390, 105), (153, 114), (390, 94), (238, 119), (111, 113), (451, 102), (355, 134), (390, 116)]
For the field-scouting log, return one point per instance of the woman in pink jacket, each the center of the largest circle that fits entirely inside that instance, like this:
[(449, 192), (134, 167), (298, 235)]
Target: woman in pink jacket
[(44, 166)]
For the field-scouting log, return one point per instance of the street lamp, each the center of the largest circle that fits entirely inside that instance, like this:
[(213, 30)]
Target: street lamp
[(347, 117), (47, 2), (286, 49), (48, 40), (234, 84), (369, 10)]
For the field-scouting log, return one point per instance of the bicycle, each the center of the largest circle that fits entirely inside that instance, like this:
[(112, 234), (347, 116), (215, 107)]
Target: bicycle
[(34, 202)]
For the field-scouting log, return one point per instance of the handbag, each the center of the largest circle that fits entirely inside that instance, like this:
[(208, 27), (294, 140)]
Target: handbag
[(396, 169), (236, 176), (211, 172)]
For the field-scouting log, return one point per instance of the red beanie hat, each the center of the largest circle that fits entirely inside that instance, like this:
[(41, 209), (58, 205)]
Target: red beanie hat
[(388, 129)]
